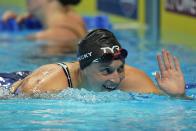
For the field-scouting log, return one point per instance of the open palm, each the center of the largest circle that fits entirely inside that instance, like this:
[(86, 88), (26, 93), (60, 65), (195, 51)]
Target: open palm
[(170, 78)]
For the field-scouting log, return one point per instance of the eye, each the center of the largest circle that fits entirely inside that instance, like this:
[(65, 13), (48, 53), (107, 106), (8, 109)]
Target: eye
[(107, 71), (120, 69)]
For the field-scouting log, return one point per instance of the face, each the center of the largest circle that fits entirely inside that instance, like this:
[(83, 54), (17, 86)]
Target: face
[(104, 76)]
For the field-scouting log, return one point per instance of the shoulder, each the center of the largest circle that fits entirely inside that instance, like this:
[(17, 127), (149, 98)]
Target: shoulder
[(47, 78), (137, 81)]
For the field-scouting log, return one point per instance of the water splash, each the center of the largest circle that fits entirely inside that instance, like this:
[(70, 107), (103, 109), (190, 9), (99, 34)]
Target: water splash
[(4, 93), (86, 96)]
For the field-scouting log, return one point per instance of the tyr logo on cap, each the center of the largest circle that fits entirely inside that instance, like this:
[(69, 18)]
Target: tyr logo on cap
[(112, 50)]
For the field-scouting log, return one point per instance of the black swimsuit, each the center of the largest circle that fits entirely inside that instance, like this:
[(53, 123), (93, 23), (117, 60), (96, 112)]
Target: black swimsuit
[(67, 73)]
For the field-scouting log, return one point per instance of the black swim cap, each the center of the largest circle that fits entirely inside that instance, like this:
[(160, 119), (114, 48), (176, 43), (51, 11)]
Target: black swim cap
[(69, 2), (96, 44)]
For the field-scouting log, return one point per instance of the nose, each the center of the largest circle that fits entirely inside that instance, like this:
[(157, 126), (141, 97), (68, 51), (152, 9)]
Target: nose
[(116, 77)]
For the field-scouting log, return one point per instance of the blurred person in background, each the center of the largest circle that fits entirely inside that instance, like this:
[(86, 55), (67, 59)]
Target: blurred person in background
[(63, 27)]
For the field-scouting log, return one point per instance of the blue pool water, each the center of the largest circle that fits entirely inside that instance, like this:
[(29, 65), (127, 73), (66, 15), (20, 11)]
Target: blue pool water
[(74, 109)]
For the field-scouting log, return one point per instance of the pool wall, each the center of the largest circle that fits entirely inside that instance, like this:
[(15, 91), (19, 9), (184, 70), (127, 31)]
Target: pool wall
[(177, 27)]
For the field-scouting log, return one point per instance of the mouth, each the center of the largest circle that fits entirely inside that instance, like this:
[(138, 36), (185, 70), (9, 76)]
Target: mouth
[(110, 86)]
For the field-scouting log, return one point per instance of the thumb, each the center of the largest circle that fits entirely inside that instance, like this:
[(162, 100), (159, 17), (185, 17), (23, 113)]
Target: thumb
[(158, 77)]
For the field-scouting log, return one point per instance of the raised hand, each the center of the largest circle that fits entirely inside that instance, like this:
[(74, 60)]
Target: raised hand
[(170, 79)]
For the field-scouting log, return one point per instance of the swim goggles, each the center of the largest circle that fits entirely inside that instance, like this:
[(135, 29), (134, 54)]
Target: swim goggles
[(107, 57)]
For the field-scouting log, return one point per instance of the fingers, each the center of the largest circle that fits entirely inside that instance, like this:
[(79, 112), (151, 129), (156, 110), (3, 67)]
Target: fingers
[(161, 64), (170, 59), (166, 62), (165, 59), (177, 64)]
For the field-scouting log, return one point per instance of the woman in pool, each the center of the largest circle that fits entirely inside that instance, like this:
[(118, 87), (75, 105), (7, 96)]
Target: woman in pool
[(63, 26), (101, 67)]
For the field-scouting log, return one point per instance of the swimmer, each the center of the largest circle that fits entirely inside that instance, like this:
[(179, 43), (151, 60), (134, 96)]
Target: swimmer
[(101, 67), (62, 25)]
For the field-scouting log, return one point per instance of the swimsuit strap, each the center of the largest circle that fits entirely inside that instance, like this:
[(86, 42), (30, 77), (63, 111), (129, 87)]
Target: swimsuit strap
[(67, 73)]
